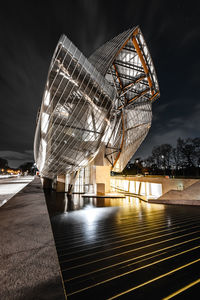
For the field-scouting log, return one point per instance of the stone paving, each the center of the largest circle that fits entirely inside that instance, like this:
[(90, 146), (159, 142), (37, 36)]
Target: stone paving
[(29, 267)]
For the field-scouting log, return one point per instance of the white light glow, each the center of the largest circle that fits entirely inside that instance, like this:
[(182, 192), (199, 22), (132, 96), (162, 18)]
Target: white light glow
[(148, 189), (83, 163), (132, 187), (69, 78), (44, 122), (156, 190), (43, 148), (46, 98), (143, 188)]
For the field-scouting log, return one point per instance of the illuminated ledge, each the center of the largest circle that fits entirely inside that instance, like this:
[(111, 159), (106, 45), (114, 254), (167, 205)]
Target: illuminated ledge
[(107, 195), (175, 201)]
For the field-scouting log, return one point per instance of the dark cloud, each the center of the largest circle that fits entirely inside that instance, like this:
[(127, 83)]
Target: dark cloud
[(29, 34), (15, 158)]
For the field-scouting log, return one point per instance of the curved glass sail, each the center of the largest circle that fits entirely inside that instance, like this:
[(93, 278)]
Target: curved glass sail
[(74, 114), (132, 74)]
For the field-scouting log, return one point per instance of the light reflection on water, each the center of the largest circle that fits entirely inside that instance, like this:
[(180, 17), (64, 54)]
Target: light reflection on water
[(91, 216), (111, 237), (93, 208), (90, 219)]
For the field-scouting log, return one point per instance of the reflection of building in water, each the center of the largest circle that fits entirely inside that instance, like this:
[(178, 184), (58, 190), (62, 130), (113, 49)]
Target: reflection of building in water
[(95, 112)]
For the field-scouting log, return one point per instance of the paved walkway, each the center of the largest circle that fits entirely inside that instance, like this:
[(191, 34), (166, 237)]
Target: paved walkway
[(11, 186), (29, 267)]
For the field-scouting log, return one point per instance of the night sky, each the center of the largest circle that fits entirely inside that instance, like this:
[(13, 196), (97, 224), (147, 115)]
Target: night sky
[(30, 30)]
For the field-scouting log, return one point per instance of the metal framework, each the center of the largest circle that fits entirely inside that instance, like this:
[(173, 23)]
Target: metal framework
[(87, 102)]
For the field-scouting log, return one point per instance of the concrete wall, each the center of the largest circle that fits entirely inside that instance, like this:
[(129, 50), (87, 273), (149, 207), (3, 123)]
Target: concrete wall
[(60, 184), (189, 196), (102, 175), (100, 159)]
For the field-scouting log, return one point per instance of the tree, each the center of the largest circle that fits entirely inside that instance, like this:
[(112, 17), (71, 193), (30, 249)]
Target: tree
[(184, 159), (162, 156), (196, 142), (27, 167), (151, 165), (3, 163), (187, 151)]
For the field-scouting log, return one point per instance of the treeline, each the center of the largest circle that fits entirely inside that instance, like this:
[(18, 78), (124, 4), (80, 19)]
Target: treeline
[(182, 160), (28, 167)]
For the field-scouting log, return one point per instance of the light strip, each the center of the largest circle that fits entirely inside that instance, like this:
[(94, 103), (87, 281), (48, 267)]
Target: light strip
[(156, 220), (134, 243), (132, 259), (182, 290), (140, 268), (156, 224), (125, 239), (157, 278), (132, 250)]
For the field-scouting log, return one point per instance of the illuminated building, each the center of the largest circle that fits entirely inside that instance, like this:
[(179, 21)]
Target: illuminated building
[(95, 111)]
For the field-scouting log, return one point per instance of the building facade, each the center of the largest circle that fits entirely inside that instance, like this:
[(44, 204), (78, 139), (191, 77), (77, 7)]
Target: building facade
[(97, 111)]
